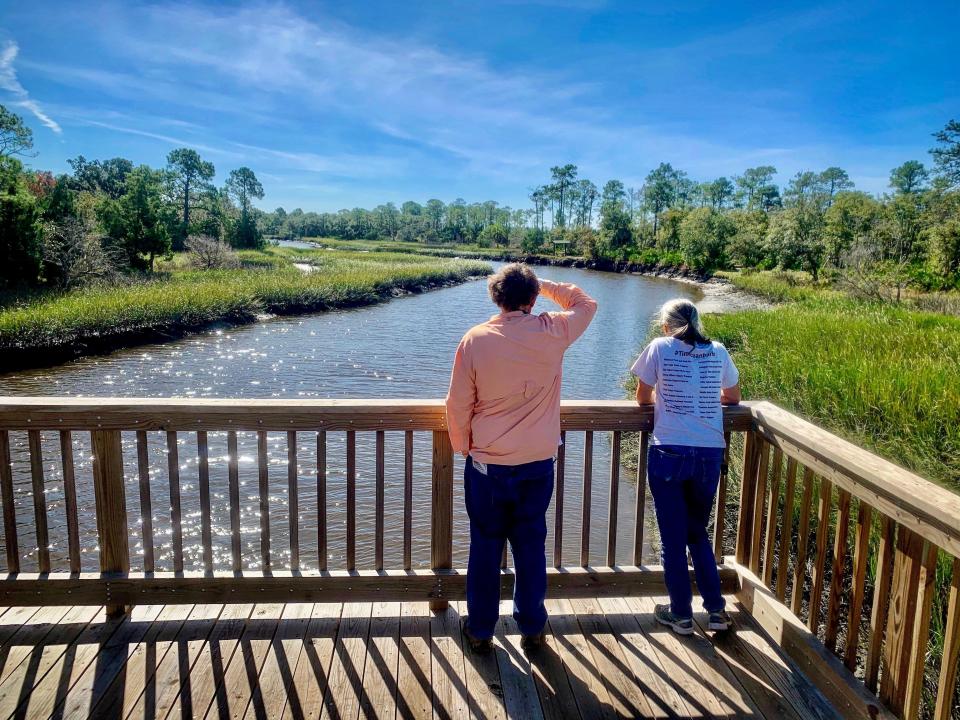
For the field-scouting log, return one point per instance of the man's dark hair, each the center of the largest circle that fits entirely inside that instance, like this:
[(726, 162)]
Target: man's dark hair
[(513, 287)]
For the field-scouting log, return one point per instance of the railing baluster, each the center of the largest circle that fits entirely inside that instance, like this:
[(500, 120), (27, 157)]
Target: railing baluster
[(786, 530), (614, 499), (70, 500), (823, 531), (748, 489), (803, 540), (921, 632), (379, 529), (293, 500), (946, 687), (407, 499), (837, 572), (9, 510), (146, 506), (558, 502), (111, 506), (881, 602), (900, 618), (203, 474), (773, 504), (720, 507), (760, 499), (587, 498), (263, 480), (351, 500), (39, 501), (173, 475), (233, 478), (322, 499), (861, 558), (639, 513), (441, 535)]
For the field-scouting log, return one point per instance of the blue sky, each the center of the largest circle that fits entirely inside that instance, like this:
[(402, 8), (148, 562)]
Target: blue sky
[(356, 103)]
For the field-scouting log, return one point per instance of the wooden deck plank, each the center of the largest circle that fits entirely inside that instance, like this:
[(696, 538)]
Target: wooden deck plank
[(20, 682), (662, 696), (629, 697), (135, 677), (22, 642), (173, 670), (276, 675), (380, 671), (699, 697), (121, 676), (750, 674), (67, 667), (799, 693), (482, 678), (414, 673), (234, 682), (605, 657), (198, 686), (105, 660), (305, 694), (519, 690), (345, 680), (12, 620), (718, 676), (557, 701), (588, 688), (446, 667)]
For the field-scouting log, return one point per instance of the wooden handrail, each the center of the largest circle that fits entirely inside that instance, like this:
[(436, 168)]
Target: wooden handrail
[(926, 508), (186, 414)]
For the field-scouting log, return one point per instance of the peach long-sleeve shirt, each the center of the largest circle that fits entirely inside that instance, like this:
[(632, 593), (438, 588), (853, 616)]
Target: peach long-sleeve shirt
[(503, 406)]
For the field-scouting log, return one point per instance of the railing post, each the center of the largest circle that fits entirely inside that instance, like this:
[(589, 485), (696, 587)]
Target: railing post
[(441, 537), (111, 507), (748, 489)]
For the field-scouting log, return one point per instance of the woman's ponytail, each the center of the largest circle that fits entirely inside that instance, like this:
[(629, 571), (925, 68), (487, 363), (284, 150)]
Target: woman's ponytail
[(682, 320)]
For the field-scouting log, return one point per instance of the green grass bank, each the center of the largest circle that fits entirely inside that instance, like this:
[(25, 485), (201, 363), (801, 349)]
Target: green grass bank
[(179, 300), (886, 377)]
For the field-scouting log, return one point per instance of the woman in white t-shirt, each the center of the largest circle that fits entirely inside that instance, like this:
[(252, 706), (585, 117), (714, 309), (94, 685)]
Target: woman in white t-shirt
[(687, 378)]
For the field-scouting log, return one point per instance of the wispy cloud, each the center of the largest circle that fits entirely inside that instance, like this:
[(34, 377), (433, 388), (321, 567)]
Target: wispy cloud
[(9, 82), (169, 139)]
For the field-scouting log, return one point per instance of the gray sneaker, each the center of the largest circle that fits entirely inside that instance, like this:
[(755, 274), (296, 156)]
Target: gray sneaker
[(681, 626), (719, 621)]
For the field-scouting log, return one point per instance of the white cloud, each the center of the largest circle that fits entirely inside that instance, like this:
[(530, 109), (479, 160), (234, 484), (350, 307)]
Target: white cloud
[(9, 82)]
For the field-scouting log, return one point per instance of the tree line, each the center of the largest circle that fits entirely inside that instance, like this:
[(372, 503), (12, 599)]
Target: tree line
[(109, 214), (109, 217), (817, 221)]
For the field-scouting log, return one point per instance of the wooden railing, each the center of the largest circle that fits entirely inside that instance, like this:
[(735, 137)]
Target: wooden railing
[(832, 549), (854, 588)]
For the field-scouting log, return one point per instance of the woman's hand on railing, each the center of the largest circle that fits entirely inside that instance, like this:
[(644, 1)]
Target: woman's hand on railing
[(730, 395)]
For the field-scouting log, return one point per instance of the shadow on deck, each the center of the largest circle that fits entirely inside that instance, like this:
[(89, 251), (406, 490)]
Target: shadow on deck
[(603, 658)]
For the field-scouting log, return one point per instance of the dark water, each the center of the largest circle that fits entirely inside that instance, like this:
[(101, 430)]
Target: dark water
[(401, 349)]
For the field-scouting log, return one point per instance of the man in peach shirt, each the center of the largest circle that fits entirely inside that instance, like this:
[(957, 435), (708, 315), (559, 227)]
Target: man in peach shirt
[(503, 415)]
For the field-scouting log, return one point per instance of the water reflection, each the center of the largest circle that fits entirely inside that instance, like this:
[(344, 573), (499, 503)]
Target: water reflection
[(401, 349)]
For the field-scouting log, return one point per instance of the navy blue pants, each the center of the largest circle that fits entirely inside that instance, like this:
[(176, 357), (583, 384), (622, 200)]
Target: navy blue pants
[(508, 503), (683, 481)]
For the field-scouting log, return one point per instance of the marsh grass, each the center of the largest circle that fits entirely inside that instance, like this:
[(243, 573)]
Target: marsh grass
[(179, 299), (883, 376)]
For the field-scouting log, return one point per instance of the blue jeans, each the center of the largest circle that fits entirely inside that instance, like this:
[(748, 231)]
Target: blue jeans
[(683, 481), (508, 503)]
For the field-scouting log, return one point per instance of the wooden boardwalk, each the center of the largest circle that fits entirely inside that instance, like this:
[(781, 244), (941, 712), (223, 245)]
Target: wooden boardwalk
[(604, 658)]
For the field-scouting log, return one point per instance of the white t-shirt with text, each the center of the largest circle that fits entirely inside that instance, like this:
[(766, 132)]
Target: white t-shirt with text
[(688, 380)]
